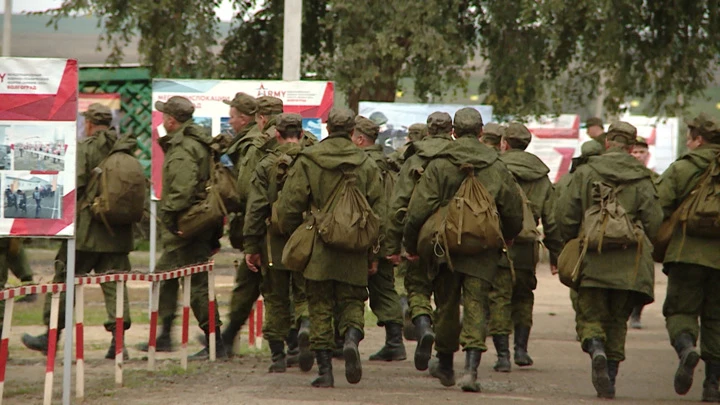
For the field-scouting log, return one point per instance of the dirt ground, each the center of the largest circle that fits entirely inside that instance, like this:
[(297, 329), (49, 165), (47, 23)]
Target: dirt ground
[(561, 374)]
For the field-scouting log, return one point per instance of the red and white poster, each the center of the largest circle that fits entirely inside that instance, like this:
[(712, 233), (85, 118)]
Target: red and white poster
[(110, 100), (38, 114), (311, 99)]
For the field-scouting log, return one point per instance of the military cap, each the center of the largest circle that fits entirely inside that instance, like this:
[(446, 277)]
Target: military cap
[(467, 120), (494, 130), (707, 125), (269, 105), (341, 119), (367, 127), (593, 122), (591, 148), (177, 107), (518, 132), (288, 122), (417, 132), (624, 130), (640, 141), (244, 103), (439, 122), (98, 114), (378, 118)]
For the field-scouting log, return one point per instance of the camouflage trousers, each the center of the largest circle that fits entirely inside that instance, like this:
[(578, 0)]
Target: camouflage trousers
[(169, 289), (511, 305), (85, 262), (603, 314), (692, 295), (245, 293), (285, 302), (419, 288), (384, 300), (449, 286), (324, 297), (400, 273)]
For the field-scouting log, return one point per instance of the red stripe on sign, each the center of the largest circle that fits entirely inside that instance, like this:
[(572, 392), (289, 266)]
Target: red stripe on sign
[(52, 346), (119, 329), (50, 172), (47, 227), (186, 322), (45, 107), (153, 328), (567, 154), (3, 357), (80, 337)]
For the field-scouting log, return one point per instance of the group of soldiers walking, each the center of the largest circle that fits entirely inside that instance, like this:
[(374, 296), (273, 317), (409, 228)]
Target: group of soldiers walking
[(289, 183)]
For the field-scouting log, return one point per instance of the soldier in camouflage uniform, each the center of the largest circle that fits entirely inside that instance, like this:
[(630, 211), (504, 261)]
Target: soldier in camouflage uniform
[(417, 283), (492, 135), (416, 133), (511, 306), (613, 281), (692, 264), (384, 300), (471, 275), (186, 169), (335, 278), (264, 247), (98, 247)]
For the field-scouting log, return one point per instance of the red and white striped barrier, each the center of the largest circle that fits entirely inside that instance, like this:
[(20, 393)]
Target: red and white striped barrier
[(255, 324), (154, 278)]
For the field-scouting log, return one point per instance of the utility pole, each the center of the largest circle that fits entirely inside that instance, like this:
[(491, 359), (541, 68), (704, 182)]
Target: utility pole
[(292, 34), (7, 28)]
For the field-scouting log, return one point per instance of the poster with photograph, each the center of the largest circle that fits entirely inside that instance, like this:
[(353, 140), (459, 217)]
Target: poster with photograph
[(38, 133), (311, 99)]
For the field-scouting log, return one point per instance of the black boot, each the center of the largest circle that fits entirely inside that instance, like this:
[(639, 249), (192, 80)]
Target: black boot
[(408, 326), (325, 376), (426, 339), (110, 355), (684, 345), (220, 351), (446, 374), (613, 367), (710, 386), (293, 352), (353, 368), (230, 333), (163, 343), (277, 348), (306, 357), (635, 322), (38, 343), (600, 376), (522, 358), (502, 346), (394, 349), (468, 382)]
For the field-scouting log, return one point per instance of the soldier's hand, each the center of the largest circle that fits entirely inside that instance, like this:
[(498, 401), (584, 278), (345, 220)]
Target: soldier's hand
[(412, 258), (394, 259), (373, 268), (253, 262), (553, 269)]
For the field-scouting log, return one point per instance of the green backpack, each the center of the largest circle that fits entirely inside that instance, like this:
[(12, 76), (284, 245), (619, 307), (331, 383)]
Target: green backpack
[(117, 190), (350, 224), (606, 224), (529, 232), (700, 216)]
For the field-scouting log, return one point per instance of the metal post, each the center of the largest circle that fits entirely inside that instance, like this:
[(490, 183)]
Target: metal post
[(292, 34), (69, 301), (153, 243), (7, 28)]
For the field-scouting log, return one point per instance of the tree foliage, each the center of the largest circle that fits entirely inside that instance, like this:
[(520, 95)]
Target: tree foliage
[(537, 56)]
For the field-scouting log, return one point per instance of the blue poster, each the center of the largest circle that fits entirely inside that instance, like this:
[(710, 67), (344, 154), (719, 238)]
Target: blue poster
[(314, 126)]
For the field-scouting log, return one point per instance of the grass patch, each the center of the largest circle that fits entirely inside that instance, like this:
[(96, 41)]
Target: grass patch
[(16, 390), (95, 314)]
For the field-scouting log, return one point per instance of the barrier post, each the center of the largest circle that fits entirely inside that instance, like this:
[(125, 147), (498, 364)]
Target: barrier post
[(79, 341), (251, 327), (119, 331), (69, 302), (185, 321), (52, 346), (6, 328), (259, 313), (154, 303), (211, 309)]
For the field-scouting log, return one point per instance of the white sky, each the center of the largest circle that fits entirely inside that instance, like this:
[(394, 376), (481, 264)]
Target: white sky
[(225, 11)]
